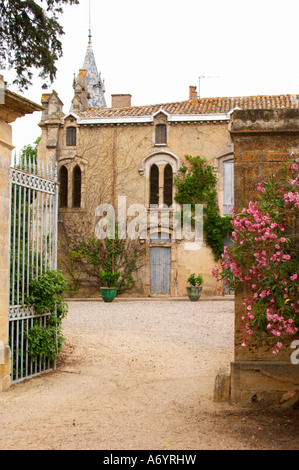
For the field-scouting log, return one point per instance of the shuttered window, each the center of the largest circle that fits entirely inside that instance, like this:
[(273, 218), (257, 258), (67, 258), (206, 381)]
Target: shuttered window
[(154, 185), (228, 186), (63, 180), (168, 185), (71, 133), (161, 134), (77, 186)]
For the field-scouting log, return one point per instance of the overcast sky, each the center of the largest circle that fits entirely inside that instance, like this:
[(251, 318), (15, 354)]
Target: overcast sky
[(155, 49)]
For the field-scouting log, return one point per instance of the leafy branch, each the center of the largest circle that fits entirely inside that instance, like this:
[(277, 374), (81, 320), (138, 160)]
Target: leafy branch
[(197, 185)]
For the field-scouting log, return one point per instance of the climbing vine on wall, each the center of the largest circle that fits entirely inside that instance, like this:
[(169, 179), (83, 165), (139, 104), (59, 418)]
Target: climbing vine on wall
[(196, 184)]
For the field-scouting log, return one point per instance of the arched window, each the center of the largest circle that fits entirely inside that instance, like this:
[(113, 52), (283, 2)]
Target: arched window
[(77, 186), (154, 185), (168, 179), (71, 134), (63, 180)]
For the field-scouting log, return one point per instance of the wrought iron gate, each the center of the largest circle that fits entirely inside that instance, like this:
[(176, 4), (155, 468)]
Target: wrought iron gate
[(33, 250)]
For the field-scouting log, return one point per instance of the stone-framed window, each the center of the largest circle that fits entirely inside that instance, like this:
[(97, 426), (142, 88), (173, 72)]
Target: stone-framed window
[(228, 186), (63, 188), (77, 184), (71, 136), (159, 169), (154, 185), (168, 186), (161, 185), (161, 134)]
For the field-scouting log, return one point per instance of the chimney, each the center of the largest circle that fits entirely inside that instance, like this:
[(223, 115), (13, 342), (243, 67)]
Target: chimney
[(120, 101), (192, 93)]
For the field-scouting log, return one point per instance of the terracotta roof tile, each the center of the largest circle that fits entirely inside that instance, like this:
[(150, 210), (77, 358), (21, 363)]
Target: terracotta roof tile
[(200, 106)]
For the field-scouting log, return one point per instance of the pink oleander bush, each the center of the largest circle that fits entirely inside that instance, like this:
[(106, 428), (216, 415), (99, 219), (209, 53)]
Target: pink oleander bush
[(265, 259)]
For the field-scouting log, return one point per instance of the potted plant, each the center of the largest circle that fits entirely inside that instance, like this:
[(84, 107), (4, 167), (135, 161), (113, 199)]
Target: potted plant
[(195, 287), (110, 283)]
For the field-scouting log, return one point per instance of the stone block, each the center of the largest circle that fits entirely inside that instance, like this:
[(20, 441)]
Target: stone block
[(222, 387), (269, 381)]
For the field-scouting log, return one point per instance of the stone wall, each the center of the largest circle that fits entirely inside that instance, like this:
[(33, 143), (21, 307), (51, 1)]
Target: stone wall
[(263, 141)]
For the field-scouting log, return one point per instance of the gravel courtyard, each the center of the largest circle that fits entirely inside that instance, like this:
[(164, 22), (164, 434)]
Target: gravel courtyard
[(137, 375)]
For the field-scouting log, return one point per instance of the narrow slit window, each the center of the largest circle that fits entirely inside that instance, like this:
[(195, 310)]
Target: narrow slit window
[(161, 134), (71, 136), (77, 187), (168, 183), (228, 186), (63, 189), (154, 185)]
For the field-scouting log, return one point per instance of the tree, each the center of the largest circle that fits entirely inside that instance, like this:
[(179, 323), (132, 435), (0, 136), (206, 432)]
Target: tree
[(29, 36), (197, 185)]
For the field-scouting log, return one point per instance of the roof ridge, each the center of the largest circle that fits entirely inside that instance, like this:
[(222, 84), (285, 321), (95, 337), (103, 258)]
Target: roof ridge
[(206, 105)]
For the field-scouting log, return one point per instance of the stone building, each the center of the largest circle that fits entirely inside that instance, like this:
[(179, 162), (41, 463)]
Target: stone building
[(132, 153)]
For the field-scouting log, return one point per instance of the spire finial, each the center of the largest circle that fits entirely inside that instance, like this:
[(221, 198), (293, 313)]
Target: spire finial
[(89, 33)]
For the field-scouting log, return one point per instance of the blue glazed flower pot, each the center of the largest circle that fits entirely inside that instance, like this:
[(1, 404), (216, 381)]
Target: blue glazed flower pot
[(194, 292)]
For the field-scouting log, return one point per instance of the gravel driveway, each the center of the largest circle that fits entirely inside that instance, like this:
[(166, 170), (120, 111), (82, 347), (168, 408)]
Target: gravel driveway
[(133, 375)]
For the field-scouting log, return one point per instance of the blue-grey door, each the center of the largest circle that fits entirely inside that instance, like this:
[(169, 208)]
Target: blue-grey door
[(160, 270)]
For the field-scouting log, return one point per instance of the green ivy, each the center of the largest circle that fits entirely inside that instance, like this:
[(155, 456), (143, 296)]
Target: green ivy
[(45, 341), (110, 279), (107, 261), (197, 185), (46, 295)]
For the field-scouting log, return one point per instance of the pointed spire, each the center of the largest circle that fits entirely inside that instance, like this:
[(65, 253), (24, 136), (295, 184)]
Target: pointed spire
[(95, 85), (89, 31), (88, 85)]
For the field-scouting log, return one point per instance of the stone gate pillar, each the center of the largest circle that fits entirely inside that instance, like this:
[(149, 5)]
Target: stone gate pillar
[(12, 106), (263, 141)]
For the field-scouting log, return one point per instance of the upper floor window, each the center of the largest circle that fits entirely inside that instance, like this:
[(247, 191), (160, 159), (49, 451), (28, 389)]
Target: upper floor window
[(63, 180), (154, 185), (161, 134), (71, 136), (77, 186), (163, 175), (167, 190)]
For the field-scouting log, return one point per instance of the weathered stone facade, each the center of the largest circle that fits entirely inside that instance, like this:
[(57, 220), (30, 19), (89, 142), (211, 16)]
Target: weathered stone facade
[(115, 149)]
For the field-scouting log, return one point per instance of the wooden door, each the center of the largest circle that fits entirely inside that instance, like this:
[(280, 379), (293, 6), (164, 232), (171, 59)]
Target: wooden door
[(160, 259)]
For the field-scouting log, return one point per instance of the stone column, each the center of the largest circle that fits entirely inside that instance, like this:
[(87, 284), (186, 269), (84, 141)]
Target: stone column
[(5, 156), (263, 141)]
